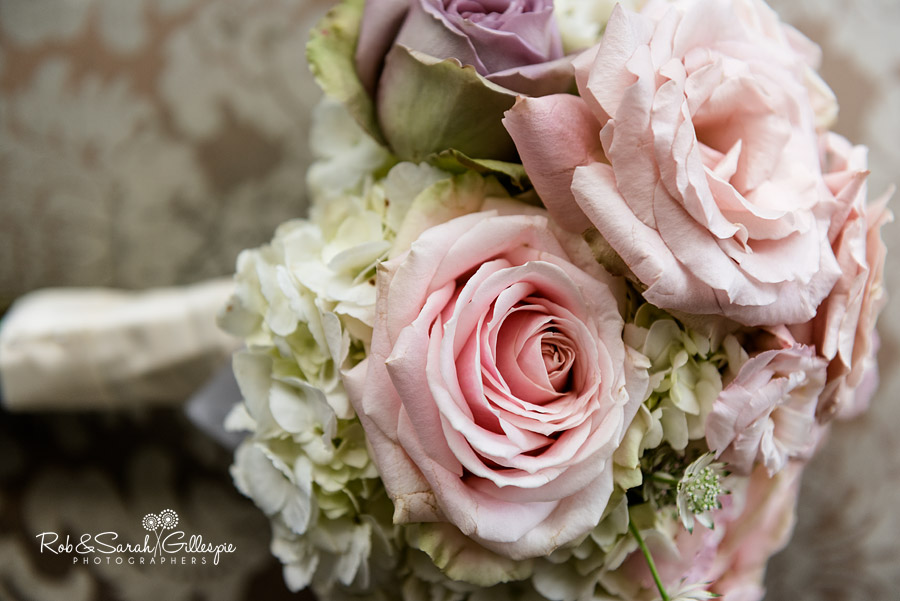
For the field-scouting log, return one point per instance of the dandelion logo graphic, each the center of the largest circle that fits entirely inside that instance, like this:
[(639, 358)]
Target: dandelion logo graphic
[(158, 524), (168, 519), (151, 521)]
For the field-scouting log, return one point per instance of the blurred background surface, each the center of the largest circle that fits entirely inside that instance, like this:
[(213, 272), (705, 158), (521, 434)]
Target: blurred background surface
[(146, 142)]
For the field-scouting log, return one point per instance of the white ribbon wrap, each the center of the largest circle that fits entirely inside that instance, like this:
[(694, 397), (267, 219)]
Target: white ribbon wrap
[(78, 348)]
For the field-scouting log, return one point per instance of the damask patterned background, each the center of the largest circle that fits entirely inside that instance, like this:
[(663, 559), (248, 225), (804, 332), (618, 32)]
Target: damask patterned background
[(146, 142)]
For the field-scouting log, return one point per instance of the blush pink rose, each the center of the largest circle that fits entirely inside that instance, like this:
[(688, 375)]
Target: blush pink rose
[(762, 526), (498, 385), (767, 413), (755, 522), (684, 559), (692, 150), (843, 329)]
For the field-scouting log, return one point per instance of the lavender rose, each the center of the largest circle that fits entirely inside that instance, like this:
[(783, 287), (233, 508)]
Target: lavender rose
[(496, 48), (511, 42)]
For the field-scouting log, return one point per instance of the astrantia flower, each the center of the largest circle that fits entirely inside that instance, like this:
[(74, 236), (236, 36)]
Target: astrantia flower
[(699, 490)]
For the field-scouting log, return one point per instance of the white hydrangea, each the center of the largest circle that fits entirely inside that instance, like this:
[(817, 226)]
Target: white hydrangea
[(581, 22), (345, 155), (685, 378), (346, 556), (304, 304), (308, 470)]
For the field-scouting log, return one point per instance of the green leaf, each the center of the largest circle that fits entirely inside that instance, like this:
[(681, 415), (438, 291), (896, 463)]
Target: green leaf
[(455, 161), (427, 105), (330, 52)]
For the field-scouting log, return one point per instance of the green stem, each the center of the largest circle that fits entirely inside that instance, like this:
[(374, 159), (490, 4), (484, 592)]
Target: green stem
[(664, 479), (649, 558)]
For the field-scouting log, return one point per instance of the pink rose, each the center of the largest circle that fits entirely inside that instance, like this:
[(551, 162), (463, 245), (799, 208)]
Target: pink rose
[(755, 522), (767, 413), (762, 528), (498, 385), (686, 558), (843, 330), (693, 151)]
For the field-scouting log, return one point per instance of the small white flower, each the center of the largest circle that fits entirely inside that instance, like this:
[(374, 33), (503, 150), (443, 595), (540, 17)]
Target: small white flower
[(698, 492), (693, 592), (275, 487)]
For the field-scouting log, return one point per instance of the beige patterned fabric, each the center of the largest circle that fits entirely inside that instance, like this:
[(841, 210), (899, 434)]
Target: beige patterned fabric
[(146, 142), (143, 143), (847, 542)]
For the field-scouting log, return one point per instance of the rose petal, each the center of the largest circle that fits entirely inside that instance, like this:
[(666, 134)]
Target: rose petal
[(540, 127)]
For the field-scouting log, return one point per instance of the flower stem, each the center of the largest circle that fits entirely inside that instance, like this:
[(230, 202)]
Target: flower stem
[(650, 564), (664, 478)]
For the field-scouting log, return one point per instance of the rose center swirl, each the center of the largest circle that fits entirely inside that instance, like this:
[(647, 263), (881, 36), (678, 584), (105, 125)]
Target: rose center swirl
[(534, 356), (488, 10)]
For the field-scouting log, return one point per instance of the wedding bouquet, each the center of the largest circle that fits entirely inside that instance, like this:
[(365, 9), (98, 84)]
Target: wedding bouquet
[(579, 292)]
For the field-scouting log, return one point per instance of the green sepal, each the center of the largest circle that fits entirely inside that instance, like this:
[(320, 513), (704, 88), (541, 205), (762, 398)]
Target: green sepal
[(330, 53), (461, 558), (511, 174), (427, 105)]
